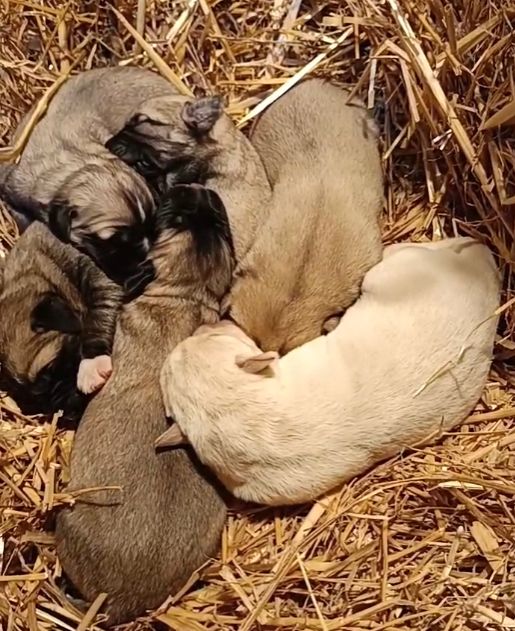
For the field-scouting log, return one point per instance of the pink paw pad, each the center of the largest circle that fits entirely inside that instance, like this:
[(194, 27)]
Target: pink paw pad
[(93, 373)]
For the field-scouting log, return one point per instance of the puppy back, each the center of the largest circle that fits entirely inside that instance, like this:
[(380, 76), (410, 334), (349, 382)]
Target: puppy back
[(313, 127)]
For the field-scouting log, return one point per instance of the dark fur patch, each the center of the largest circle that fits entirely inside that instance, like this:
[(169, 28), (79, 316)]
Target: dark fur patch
[(54, 388), (135, 284), (56, 385), (200, 211), (53, 314), (120, 255), (60, 217), (163, 163)]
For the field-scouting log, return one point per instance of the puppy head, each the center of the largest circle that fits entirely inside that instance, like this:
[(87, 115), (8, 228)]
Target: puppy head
[(107, 211), (40, 354), (199, 215), (225, 336), (207, 373), (171, 135), (39, 338)]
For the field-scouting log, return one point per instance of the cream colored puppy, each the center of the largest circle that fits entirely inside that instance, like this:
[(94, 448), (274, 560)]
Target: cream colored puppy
[(285, 431)]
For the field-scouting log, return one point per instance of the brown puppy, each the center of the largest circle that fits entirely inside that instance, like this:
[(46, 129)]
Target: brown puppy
[(154, 143), (142, 543), (322, 234), (57, 309)]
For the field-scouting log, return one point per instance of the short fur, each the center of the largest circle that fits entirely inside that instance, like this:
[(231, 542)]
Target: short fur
[(70, 178), (285, 431), (142, 543), (174, 140), (57, 308), (322, 235)]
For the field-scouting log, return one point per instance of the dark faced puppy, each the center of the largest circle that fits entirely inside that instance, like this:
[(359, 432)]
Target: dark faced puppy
[(169, 141), (142, 544), (58, 309), (69, 180), (118, 228), (176, 140)]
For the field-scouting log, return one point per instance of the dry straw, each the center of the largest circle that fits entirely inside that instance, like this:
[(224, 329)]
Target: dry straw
[(425, 541)]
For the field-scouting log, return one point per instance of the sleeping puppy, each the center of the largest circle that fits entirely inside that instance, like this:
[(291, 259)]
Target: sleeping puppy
[(322, 233), (57, 326), (143, 543), (120, 543), (68, 178), (410, 358), (174, 140)]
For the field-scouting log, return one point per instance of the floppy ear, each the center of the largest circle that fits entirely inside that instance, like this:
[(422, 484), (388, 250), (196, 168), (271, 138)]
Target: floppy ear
[(257, 363), (53, 314), (60, 216), (21, 220), (201, 115), (172, 437), (125, 144), (135, 284)]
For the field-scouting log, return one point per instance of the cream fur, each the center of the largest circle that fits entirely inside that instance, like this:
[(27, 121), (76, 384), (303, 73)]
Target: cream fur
[(330, 409)]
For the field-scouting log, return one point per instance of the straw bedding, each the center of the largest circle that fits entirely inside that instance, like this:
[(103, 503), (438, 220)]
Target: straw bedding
[(425, 541)]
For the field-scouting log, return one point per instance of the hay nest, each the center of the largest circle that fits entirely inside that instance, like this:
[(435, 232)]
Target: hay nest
[(425, 541)]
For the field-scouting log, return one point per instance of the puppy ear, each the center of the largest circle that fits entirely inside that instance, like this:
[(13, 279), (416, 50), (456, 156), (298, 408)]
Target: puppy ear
[(258, 363), (53, 314), (125, 145), (172, 437), (60, 216), (201, 115)]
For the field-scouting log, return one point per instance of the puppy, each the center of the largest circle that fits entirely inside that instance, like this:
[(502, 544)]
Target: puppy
[(141, 543), (69, 179), (174, 140), (411, 357), (57, 309), (322, 234)]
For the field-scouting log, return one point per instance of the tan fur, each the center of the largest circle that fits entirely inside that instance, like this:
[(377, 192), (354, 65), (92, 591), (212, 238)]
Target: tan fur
[(85, 113), (142, 543), (37, 266), (322, 234), (234, 169), (296, 427)]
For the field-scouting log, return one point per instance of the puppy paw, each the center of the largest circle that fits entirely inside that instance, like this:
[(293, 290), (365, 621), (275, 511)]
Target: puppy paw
[(93, 373)]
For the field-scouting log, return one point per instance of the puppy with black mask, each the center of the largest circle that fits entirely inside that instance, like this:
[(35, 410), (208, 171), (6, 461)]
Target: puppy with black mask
[(70, 180), (57, 326), (120, 544), (143, 543)]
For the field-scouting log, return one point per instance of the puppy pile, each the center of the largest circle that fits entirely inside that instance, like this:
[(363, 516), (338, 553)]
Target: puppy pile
[(170, 267)]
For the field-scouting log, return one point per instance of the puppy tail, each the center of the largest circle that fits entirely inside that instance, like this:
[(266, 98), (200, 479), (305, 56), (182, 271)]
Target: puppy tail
[(200, 211)]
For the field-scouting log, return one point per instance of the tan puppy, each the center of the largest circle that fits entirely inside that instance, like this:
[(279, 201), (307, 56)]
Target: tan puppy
[(71, 177), (68, 179), (322, 234), (409, 358), (141, 543), (57, 309)]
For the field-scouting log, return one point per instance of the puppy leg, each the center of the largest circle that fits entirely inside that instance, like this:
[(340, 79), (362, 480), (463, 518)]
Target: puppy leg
[(93, 373)]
